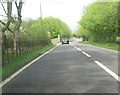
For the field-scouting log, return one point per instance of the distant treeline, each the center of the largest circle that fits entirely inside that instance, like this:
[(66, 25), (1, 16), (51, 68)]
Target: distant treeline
[(100, 22)]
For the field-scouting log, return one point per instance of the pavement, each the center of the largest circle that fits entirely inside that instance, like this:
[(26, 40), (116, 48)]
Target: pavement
[(66, 69)]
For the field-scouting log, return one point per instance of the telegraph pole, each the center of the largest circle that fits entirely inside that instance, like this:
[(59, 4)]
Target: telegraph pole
[(41, 24), (1, 57), (41, 15)]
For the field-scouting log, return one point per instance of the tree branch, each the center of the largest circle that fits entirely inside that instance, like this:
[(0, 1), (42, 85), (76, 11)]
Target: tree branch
[(3, 7), (16, 5), (6, 26)]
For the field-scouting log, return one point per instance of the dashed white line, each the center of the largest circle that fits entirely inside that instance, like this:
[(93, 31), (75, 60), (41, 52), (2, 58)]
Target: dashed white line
[(114, 75), (79, 49), (76, 47), (23, 68), (82, 51), (108, 70), (71, 44), (86, 54)]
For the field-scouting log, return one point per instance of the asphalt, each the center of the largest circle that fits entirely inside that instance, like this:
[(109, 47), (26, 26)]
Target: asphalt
[(107, 57), (67, 70)]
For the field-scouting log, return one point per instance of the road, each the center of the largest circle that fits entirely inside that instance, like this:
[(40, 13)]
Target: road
[(68, 70)]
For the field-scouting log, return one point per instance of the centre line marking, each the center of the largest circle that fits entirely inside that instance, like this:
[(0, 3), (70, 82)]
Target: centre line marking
[(86, 54), (114, 75), (79, 49)]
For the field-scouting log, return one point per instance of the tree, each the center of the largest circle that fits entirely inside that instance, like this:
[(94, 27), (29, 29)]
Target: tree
[(81, 32), (16, 21), (32, 31), (57, 27), (101, 19), (8, 13)]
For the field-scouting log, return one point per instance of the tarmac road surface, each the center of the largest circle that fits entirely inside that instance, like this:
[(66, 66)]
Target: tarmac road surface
[(68, 70)]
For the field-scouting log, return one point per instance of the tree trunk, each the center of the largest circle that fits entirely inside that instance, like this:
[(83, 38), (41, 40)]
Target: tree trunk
[(15, 39), (18, 23), (16, 34)]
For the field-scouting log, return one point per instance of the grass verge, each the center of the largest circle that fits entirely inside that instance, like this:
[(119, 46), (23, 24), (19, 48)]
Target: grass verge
[(10, 68), (112, 46)]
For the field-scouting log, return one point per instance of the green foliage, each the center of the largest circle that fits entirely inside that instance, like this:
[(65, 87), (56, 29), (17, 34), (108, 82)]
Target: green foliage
[(57, 27), (32, 30), (84, 33), (112, 46), (101, 20)]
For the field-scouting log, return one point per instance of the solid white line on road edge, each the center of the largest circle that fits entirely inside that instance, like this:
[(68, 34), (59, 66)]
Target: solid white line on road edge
[(108, 71), (79, 49), (23, 68), (86, 54), (102, 48)]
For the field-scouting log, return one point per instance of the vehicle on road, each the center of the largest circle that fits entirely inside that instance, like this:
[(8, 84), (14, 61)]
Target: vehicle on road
[(65, 41)]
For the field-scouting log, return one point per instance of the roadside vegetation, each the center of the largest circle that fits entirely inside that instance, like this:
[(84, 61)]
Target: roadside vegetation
[(112, 46), (25, 39), (99, 24), (10, 68)]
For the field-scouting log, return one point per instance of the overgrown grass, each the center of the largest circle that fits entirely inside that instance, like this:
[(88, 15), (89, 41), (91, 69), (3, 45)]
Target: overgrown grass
[(10, 68), (112, 46)]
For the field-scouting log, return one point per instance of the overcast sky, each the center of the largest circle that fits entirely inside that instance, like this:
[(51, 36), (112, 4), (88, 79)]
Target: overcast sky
[(69, 11)]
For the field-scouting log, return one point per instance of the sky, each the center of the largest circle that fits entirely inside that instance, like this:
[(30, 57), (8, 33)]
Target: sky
[(69, 11)]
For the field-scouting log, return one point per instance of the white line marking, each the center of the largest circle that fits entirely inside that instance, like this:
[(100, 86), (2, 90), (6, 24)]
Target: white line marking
[(72, 44), (108, 70), (86, 54), (79, 49), (101, 48), (76, 47), (23, 68)]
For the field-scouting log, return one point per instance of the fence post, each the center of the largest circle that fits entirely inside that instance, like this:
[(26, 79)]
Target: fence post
[(12, 48), (19, 48), (25, 46), (2, 48), (29, 46), (1, 58), (16, 49), (7, 53), (22, 47), (49, 34)]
